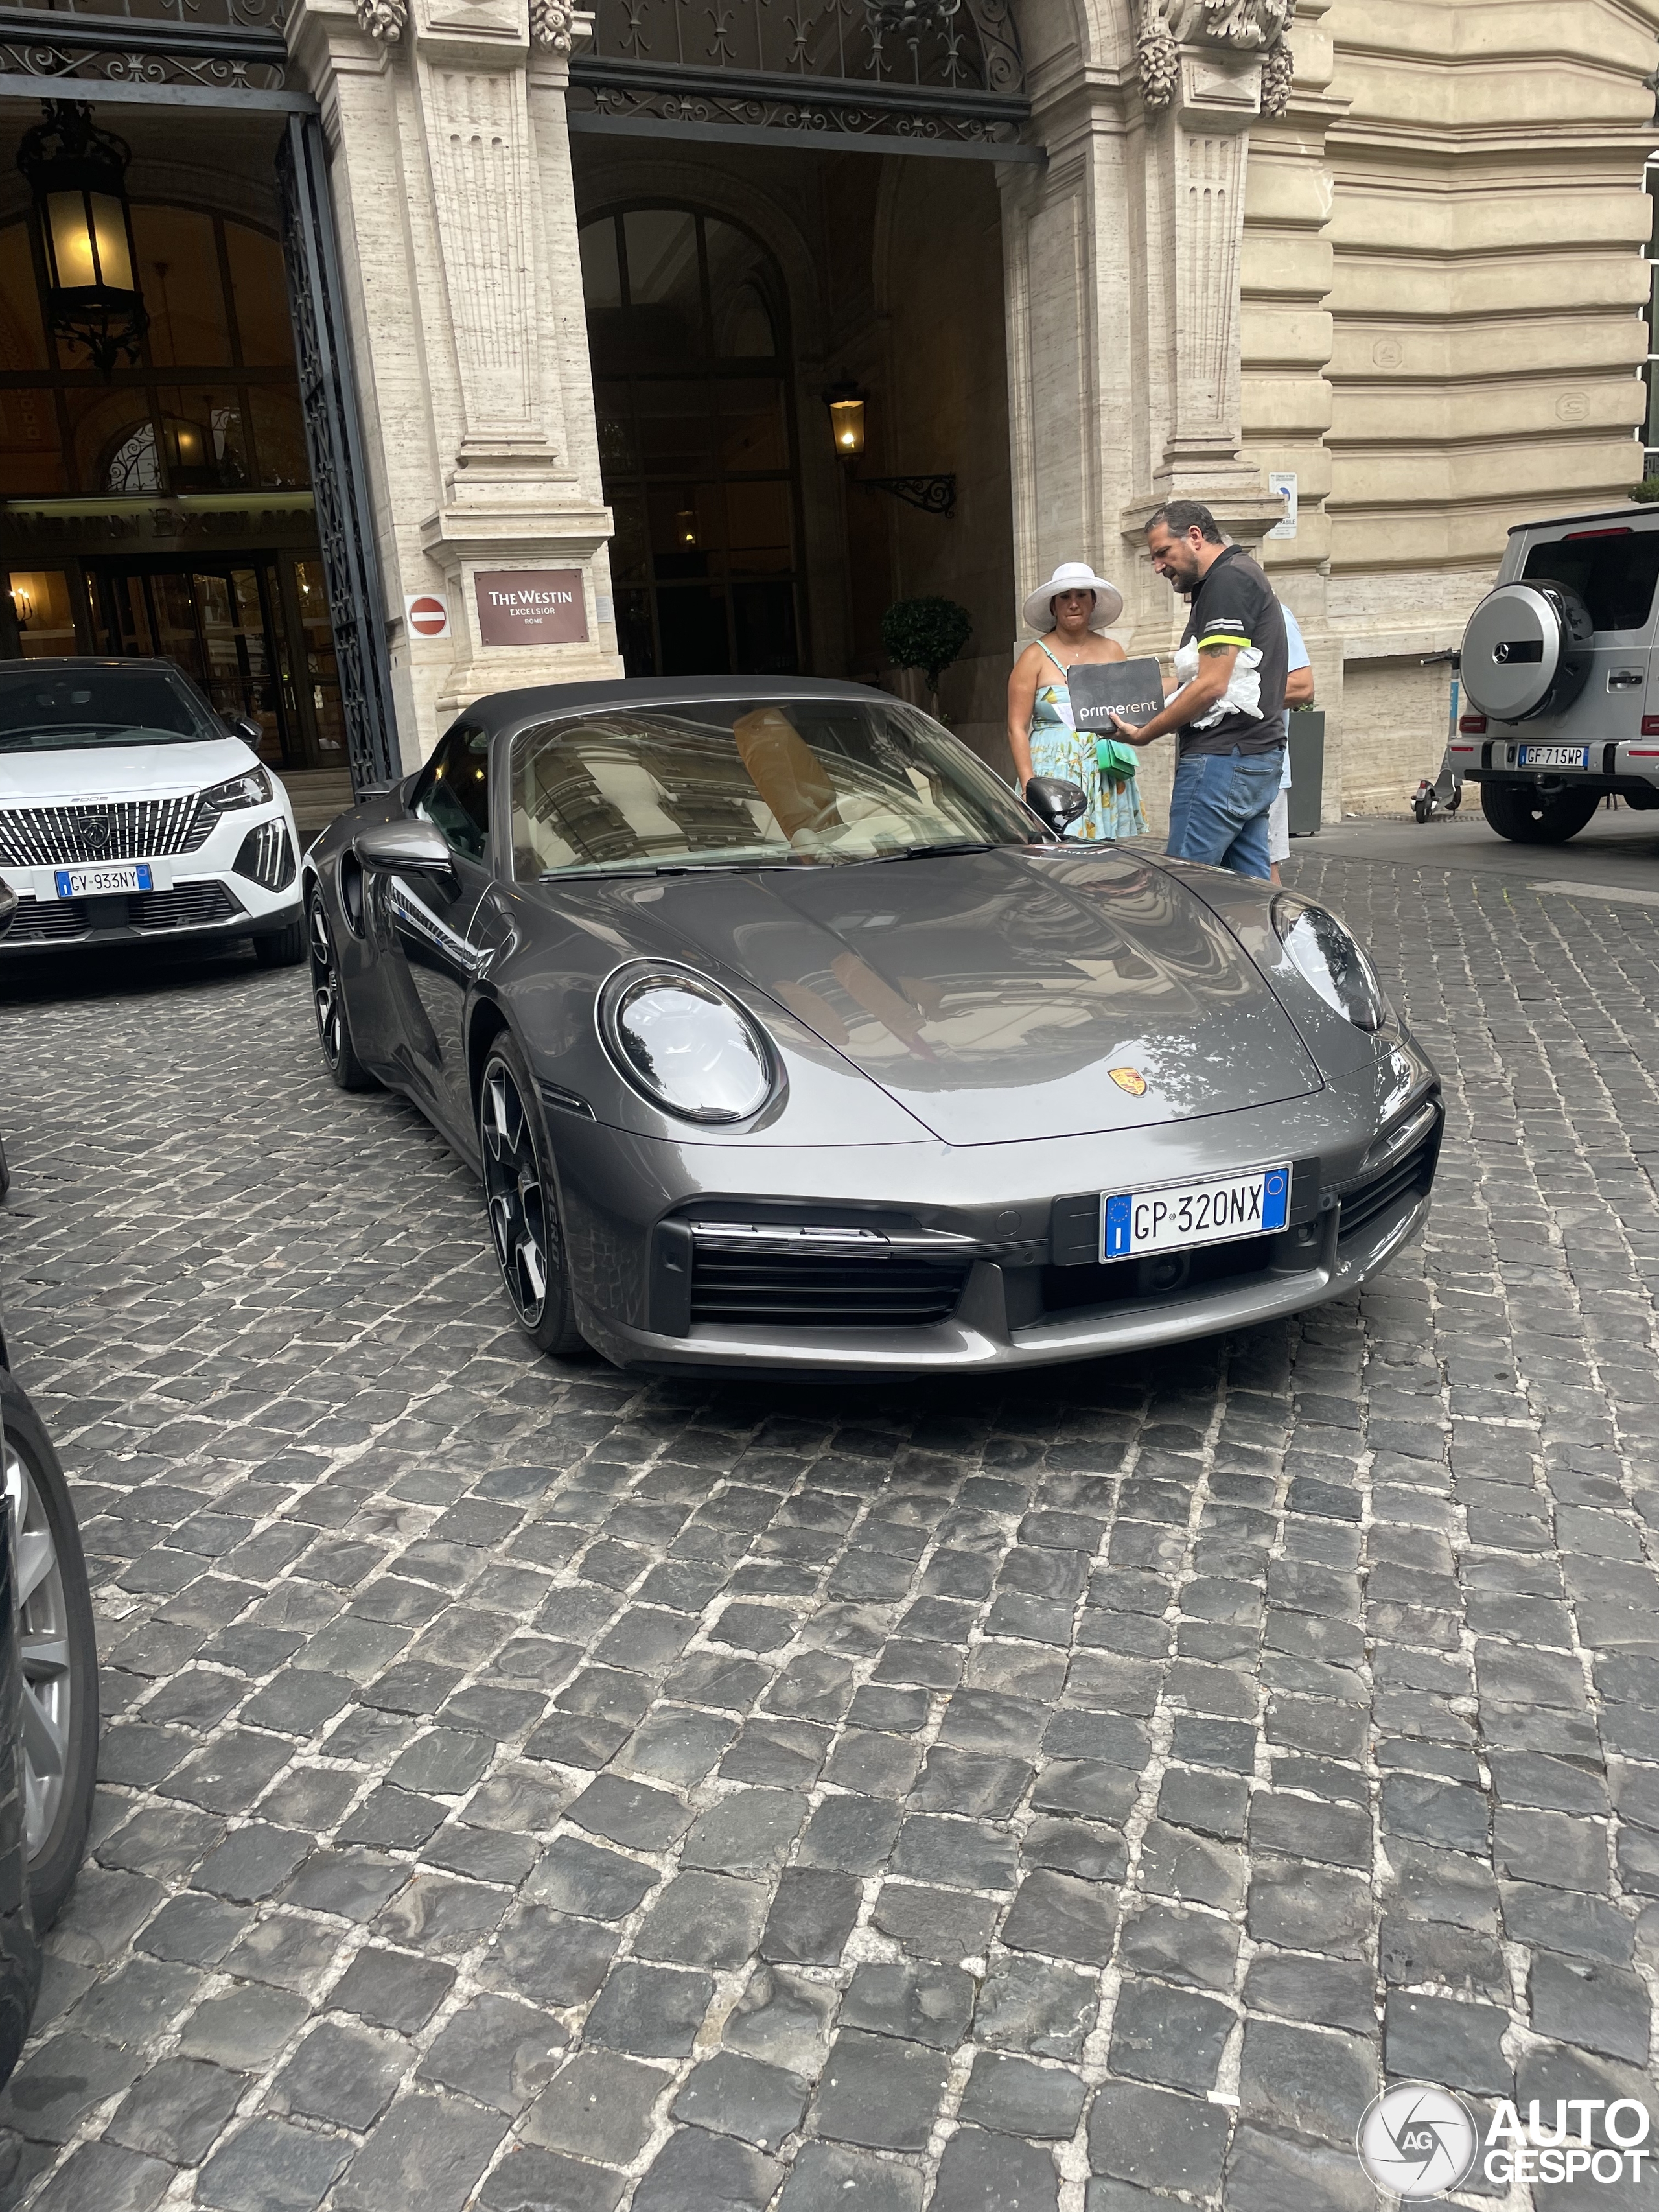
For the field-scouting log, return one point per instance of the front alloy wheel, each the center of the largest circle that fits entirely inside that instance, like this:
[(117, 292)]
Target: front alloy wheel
[(328, 999), (42, 1645), (59, 1656), (523, 1209)]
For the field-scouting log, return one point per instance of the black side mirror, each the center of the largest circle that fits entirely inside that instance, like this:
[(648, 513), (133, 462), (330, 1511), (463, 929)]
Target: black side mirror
[(1055, 803), (7, 907), (247, 730), (404, 848)]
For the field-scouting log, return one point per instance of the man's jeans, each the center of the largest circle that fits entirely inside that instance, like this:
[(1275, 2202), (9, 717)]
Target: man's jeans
[(1220, 807)]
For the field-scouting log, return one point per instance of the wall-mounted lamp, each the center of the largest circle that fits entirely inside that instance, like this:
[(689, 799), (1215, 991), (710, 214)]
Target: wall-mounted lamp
[(23, 605), (186, 448), (935, 494), (78, 175), (846, 404)]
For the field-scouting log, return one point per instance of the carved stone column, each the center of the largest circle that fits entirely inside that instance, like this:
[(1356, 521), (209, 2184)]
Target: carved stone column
[(450, 171), (1206, 67)]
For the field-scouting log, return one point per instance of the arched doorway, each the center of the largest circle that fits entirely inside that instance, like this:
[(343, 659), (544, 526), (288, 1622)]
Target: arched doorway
[(687, 325), (165, 507)]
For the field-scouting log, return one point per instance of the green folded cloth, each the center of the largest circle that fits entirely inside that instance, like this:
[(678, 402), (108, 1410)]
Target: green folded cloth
[(1117, 761)]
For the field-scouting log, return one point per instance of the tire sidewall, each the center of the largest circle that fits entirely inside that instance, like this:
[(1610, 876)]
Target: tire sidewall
[(285, 948), (1508, 809), (347, 1073), (555, 1332), (53, 1869)]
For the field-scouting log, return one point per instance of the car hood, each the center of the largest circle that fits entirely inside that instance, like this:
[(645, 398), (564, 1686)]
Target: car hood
[(991, 993), (78, 775)]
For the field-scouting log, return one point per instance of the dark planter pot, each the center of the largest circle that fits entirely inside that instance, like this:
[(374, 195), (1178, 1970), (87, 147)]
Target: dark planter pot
[(1307, 727)]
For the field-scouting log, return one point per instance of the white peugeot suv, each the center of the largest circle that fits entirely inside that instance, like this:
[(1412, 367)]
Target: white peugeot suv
[(128, 812)]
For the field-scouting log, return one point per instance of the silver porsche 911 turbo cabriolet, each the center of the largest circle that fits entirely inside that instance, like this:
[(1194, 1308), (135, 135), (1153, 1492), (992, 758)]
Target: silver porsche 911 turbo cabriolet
[(784, 1036)]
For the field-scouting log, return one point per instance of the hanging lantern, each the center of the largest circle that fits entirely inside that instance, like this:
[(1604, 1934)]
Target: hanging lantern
[(78, 174)]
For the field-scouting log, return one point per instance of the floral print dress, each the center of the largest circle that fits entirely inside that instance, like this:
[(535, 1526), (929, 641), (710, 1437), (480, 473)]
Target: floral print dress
[(1060, 749)]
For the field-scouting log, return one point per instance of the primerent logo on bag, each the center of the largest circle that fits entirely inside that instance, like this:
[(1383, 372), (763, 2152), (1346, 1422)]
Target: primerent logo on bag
[(1421, 2141)]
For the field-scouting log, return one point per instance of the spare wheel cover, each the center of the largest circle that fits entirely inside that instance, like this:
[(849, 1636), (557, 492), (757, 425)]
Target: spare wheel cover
[(1512, 650)]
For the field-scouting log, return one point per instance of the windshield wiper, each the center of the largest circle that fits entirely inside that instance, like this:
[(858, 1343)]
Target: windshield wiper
[(924, 852), (625, 869), (85, 740)]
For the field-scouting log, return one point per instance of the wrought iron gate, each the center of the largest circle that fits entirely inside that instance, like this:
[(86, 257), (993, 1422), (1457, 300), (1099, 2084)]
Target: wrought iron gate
[(328, 394)]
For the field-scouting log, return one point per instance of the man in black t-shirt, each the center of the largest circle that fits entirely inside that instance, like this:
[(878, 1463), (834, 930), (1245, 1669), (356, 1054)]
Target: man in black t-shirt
[(1229, 707)]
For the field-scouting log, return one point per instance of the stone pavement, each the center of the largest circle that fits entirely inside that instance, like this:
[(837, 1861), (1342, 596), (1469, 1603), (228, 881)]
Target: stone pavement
[(530, 1786)]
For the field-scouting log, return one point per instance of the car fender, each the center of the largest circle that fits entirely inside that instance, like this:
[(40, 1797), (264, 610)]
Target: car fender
[(1244, 905)]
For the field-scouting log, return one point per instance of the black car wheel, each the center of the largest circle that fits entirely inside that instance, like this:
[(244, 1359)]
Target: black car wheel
[(523, 1207), (59, 1654), (282, 948), (1515, 811), (328, 999)]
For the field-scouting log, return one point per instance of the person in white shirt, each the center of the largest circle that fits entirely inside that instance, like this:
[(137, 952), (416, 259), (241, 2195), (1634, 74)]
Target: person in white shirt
[(1298, 692)]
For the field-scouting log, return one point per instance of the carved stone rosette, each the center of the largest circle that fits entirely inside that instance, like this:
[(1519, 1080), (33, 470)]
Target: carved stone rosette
[(384, 19), (1241, 27), (555, 25)]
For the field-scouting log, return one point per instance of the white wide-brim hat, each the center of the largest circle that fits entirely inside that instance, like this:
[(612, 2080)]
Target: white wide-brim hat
[(1073, 576)]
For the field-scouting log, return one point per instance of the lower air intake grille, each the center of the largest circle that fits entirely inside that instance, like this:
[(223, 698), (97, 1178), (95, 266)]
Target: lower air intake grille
[(46, 921), (1415, 1173), (791, 1290), (192, 906)]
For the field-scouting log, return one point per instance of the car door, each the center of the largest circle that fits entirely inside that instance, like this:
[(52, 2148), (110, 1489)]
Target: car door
[(428, 935)]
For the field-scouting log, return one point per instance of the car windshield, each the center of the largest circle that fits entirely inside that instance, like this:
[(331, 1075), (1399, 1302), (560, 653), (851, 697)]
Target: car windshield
[(747, 783), (68, 709)]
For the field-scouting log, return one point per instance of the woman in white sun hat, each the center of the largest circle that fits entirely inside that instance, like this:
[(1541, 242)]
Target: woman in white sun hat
[(1070, 611)]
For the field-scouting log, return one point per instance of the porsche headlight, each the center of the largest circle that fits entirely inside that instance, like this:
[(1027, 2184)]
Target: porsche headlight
[(253, 789), (686, 1045), (1332, 961)]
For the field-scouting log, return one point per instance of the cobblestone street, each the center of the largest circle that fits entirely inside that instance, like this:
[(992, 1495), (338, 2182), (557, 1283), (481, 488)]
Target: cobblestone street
[(531, 1787)]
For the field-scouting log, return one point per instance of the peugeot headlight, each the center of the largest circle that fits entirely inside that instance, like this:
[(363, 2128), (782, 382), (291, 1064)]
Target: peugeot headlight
[(686, 1045), (1333, 961), (253, 789)]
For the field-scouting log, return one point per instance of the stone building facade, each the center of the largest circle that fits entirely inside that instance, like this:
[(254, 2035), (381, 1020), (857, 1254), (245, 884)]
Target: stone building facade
[(588, 277)]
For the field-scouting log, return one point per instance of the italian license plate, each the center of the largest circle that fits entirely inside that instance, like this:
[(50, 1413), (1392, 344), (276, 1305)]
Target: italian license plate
[(95, 883), (1554, 757), (1210, 1212)]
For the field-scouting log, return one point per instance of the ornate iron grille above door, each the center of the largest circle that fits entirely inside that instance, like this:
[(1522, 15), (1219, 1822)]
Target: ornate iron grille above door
[(339, 478), (940, 74)]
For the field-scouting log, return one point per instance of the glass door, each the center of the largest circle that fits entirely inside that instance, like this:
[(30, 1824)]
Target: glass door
[(236, 622), (223, 627)]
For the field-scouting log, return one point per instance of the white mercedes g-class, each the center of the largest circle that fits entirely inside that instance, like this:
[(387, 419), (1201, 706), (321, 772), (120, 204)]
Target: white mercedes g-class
[(1560, 681)]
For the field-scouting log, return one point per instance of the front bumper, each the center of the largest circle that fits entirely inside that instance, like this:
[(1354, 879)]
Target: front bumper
[(1019, 1285), (243, 882)]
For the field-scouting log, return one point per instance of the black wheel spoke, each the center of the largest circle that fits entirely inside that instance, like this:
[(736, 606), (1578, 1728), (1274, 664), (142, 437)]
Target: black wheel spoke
[(513, 1193), (325, 984), (43, 1639)]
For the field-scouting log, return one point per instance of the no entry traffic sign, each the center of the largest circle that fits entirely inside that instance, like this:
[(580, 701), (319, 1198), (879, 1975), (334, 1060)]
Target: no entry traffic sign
[(427, 615)]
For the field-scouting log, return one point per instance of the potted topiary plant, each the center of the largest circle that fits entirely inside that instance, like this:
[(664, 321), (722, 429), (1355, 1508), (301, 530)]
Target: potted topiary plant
[(926, 634)]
